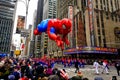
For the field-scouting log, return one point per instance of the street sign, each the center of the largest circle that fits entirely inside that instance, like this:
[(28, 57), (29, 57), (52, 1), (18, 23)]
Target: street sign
[(25, 33)]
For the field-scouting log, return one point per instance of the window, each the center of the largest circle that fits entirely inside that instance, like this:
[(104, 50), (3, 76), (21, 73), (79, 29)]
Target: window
[(111, 5), (103, 31), (102, 20), (104, 2), (107, 5), (97, 19), (104, 41), (85, 3), (99, 40), (101, 6), (112, 17), (116, 18), (107, 17), (96, 3), (115, 4), (101, 16), (98, 31), (75, 2), (100, 1)]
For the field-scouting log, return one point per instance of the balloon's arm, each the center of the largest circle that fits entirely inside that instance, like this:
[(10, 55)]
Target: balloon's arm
[(50, 33)]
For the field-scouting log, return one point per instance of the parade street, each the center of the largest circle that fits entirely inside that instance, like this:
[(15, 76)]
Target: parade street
[(89, 72)]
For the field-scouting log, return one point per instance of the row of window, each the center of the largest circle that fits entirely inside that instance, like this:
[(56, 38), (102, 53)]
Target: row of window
[(6, 16), (5, 49), (101, 31), (113, 16), (5, 27), (107, 5), (5, 34)]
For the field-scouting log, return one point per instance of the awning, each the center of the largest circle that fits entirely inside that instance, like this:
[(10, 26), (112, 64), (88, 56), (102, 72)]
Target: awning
[(94, 50)]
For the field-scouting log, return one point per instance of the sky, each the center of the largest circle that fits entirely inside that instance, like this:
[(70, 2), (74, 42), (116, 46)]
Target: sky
[(21, 11)]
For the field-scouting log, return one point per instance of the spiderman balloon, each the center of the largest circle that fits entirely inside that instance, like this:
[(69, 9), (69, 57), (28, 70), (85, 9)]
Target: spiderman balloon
[(56, 29)]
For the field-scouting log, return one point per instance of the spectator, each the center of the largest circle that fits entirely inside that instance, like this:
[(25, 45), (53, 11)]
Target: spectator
[(16, 73), (117, 66), (49, 71), (11, 77), (77, 66)]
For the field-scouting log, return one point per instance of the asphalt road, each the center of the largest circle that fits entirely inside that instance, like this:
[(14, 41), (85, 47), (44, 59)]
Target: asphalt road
[(89, 72)]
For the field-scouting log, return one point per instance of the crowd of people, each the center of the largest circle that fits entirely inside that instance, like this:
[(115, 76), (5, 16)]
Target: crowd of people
[(34, 69), (41, 69)]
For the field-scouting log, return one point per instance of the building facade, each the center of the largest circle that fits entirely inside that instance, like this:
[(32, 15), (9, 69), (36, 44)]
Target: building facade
[(7, 8), (95, 22), (37, 39), (49, 12)]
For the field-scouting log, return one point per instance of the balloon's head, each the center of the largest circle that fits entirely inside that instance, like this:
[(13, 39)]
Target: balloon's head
[(66, 25)]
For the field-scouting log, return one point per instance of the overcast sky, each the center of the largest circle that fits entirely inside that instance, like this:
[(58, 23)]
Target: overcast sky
[(21, 11)]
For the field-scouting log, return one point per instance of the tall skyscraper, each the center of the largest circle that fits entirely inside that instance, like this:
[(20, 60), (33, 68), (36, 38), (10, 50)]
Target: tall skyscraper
[(7, 8), (39, 17), (49, 12)]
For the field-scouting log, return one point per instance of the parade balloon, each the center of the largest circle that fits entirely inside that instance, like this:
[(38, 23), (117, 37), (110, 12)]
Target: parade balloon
[(52, 36), (66, 25), (36, 32), (54, 28), (42, 27)]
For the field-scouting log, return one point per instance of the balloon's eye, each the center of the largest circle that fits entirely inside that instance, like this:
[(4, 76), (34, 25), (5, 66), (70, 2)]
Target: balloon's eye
[(63, 26)]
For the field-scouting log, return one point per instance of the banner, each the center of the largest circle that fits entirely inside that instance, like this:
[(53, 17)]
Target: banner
[(91, 21), (95, 50), (70, 16), (20, 24)]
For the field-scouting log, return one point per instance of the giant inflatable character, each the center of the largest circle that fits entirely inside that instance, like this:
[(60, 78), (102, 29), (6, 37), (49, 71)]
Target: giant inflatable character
[(56, 29)]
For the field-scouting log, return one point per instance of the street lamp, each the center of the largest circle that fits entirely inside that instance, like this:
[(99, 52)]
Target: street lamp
[(24, 33), (26, 2)]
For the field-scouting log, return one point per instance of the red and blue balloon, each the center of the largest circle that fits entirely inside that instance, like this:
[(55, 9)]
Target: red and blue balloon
[(56, 29)]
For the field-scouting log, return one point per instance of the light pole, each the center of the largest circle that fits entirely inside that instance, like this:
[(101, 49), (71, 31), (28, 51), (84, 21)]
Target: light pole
[(27, 6), (24, 33), (26, 2)]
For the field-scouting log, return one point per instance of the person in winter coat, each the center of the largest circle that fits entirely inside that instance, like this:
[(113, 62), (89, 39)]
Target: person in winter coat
[(117, 66), (77, 66)]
